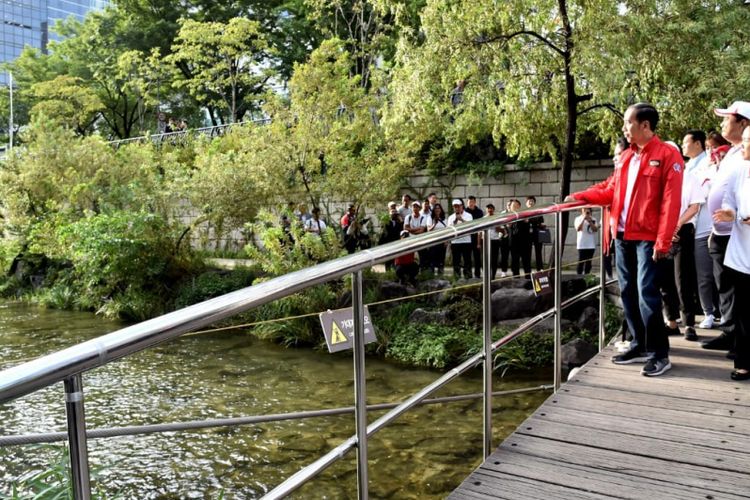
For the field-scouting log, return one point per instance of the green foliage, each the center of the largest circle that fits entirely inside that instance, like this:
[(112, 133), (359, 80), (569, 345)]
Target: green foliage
[(123, 262), (52, 483), (223, 61), (66, 100), (210, 284), (435, 346), (282, 251), (303, 331)]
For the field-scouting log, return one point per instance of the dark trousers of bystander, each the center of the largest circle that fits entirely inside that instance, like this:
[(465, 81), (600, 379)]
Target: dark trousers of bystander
[(717, 247), (494, 252), (504, 254), (641, 301), (476, 256), (425, 260), (437, 258), (461, 253), (407, 273), (520, 250), (685, 275), (584, 260), (741, 315)]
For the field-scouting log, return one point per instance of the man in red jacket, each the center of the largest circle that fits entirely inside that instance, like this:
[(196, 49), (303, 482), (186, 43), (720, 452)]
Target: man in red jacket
[(644, 194)]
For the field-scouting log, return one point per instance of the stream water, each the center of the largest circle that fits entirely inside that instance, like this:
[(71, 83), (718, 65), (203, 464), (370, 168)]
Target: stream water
[(424, 455)]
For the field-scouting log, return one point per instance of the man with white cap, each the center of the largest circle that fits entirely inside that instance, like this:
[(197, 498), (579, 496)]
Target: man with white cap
[(460, 247), (734, 120)]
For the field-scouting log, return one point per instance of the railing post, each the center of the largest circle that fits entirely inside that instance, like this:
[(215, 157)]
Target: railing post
[(558, 299), (602, 280), (79, 462), (487, 344), (360, 398)]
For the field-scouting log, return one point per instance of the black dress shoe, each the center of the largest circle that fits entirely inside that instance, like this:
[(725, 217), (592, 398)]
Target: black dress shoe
[(740, 375), (721, 343), (672, 331), (690, 334)]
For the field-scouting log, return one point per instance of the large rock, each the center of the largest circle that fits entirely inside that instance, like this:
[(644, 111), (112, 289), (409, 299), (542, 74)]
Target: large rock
[(435, 285), (423, 316), (392, 290), (589, 320), (509, 303), (576, 353)]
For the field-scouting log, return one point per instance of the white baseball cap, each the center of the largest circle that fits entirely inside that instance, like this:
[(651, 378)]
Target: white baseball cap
[(737, 108), (457, 202)]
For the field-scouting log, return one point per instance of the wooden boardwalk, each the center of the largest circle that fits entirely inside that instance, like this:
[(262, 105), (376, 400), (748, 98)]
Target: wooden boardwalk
[(612, 433)]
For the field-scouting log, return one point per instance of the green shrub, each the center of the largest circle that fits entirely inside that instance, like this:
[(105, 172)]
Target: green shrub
[(296, 331), (431, 345), (210, 284)]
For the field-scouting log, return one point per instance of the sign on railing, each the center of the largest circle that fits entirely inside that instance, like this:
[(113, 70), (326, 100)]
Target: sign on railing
[(338, 328)]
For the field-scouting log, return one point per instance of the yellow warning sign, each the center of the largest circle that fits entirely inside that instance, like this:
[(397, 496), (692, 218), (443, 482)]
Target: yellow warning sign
[(337, 336)]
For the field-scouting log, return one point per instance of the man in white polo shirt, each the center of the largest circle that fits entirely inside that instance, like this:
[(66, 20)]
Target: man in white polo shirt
[(735, 119), (460, 247)]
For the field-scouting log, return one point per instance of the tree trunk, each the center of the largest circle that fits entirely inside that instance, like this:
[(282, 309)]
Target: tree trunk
[(572, 113)]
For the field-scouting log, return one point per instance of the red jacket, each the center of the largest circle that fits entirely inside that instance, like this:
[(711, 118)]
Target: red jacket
[(655, 201)]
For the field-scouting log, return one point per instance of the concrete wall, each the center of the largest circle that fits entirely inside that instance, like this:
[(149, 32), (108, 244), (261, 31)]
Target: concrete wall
[(538, 179)]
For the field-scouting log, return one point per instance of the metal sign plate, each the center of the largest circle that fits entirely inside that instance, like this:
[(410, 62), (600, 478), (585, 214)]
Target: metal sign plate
[(542, 283), (338, 328)]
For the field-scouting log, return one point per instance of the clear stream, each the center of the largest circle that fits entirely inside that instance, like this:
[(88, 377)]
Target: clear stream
[(424, 455)]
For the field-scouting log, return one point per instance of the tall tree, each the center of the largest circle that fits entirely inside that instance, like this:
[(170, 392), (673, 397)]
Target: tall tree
[(225, 61), (540, 74)]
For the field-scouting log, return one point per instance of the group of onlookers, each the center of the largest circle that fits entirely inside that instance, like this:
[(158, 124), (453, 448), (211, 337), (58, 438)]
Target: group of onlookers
[(681, 233), (509, 244)]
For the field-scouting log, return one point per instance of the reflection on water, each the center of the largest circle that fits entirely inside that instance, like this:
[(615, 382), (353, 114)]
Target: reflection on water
[(425, 454)]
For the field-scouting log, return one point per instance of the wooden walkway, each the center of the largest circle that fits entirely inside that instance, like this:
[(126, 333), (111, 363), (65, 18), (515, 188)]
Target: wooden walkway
[(612, 433)]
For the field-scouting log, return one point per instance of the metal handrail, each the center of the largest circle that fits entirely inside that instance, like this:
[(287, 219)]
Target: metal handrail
[(209, 131), (310, 471), (68, 365), (56, 367)]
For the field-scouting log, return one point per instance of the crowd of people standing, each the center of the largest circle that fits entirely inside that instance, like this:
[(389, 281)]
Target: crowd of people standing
[(510, 245)]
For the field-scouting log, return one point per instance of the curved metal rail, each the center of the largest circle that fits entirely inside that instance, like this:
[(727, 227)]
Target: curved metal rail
[(67, 365)]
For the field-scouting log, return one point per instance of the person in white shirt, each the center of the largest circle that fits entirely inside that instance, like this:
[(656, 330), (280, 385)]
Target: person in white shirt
[(586, 236), (315, 225), (702, 169), (460, 247), (417, 222), (495, 237), (405, 208), (734, 120), (735, 209)]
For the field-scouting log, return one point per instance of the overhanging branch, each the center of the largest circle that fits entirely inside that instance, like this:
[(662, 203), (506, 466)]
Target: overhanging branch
[(507, 37), (608, 106)]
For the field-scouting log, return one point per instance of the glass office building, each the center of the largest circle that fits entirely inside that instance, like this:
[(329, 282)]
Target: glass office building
[(28, 22)]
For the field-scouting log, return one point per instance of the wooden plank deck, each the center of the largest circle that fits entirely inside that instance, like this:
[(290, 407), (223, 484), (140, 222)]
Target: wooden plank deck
[(612, 433)]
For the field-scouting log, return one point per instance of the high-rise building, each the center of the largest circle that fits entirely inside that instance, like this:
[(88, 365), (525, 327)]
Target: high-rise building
[(28, 22)]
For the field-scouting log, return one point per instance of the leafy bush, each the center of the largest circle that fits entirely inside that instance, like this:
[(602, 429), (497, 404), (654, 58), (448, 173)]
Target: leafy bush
[(123, 264), (210, 284), (435, 346), (297, 331)]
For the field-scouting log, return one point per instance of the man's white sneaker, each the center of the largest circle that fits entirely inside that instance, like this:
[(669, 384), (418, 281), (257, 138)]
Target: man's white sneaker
[(708, 322)]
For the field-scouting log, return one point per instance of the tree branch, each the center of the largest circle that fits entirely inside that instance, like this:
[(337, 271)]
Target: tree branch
[(506, 38), (608, 106)]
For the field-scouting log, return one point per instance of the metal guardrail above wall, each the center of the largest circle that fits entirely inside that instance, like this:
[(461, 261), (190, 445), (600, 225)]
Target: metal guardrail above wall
[(67, 365), (180, 135)]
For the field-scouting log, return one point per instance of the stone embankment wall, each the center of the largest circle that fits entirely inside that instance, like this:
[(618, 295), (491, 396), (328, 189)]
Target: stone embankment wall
[(538, 179)]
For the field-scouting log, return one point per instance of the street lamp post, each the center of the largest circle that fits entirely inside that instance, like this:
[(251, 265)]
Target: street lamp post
[(10, 121)]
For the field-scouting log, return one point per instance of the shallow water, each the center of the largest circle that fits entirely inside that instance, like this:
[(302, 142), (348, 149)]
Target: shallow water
[(424, 454)]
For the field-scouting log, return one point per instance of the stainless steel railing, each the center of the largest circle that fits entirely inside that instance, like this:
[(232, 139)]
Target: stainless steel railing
[(67, 365)]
